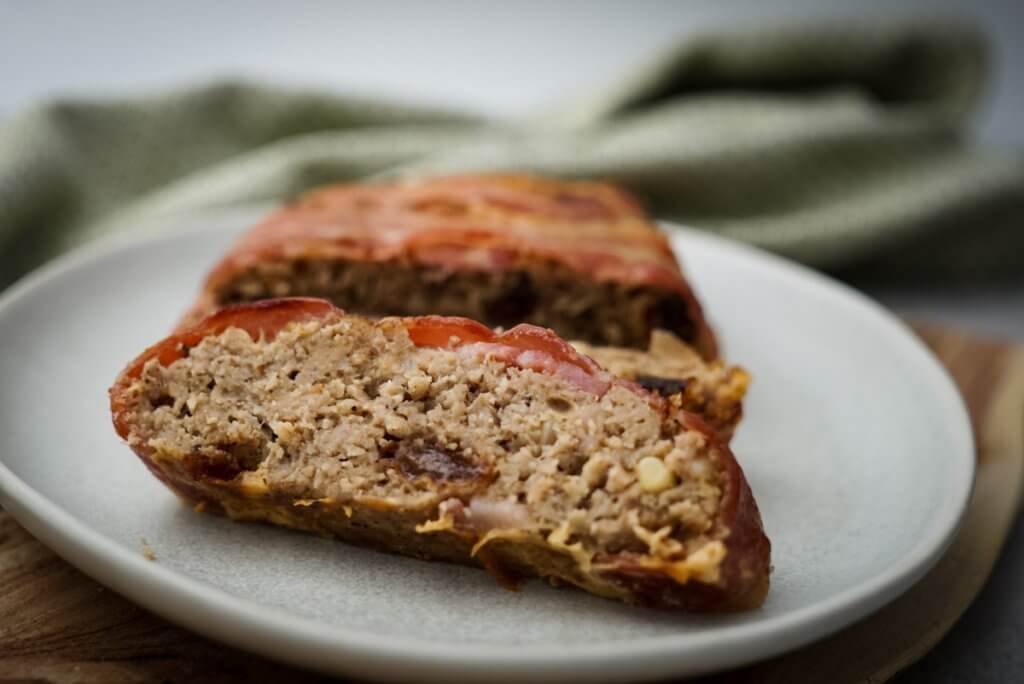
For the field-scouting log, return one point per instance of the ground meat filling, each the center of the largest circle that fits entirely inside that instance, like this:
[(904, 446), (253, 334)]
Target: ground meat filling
[(351, 411), (548, 295), (711, 389)]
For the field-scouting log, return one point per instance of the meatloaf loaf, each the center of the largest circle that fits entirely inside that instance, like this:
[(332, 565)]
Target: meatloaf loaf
[(439, 438), (579, 257)]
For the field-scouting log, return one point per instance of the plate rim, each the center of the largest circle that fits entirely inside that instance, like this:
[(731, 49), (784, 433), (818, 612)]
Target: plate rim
[(306, 642)]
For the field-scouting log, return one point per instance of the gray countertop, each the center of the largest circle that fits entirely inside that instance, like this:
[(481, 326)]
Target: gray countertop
[(504, 59)]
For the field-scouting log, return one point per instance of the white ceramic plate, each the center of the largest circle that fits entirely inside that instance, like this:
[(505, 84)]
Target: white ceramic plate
[(855, 442)]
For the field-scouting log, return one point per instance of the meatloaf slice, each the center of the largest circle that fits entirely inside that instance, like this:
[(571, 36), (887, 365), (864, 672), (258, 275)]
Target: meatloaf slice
[(438, 438), (579, 257)]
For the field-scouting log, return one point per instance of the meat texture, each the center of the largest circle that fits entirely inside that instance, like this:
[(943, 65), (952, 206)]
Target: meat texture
[(440, 438)]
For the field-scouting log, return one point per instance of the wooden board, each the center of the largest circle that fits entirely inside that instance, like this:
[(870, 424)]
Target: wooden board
[(58, 625)]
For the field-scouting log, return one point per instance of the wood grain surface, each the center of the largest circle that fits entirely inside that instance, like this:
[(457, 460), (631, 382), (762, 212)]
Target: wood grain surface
[(57, 625)]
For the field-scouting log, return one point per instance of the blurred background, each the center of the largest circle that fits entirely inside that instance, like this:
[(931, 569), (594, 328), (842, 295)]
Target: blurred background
[(497, 58), (509, 61)]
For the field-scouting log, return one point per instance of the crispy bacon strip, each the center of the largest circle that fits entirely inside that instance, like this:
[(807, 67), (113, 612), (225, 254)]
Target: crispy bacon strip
[(485, 222), (524, 346)]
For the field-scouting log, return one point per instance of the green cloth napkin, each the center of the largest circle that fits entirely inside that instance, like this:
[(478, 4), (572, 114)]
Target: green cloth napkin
[(841, 145)]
